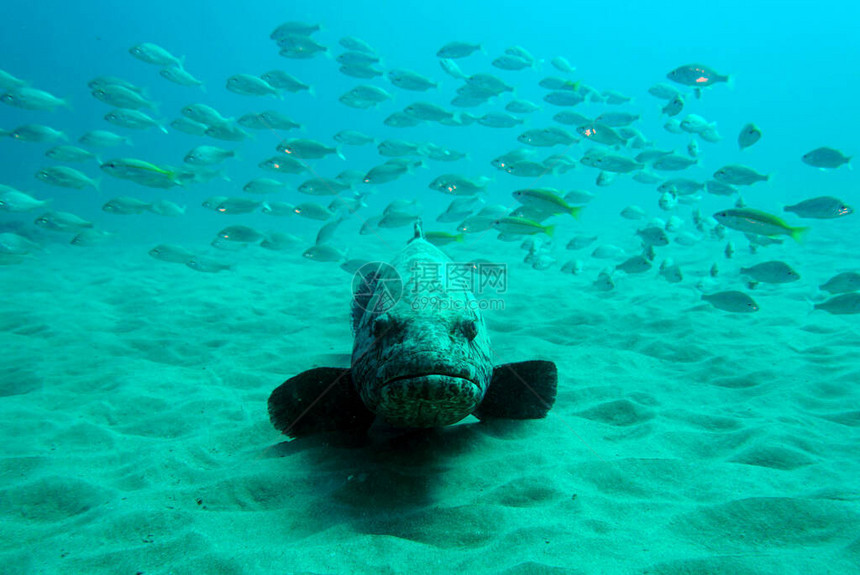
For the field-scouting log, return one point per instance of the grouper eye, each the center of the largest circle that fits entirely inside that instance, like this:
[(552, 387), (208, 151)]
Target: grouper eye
[(381, 325), (469, 328)]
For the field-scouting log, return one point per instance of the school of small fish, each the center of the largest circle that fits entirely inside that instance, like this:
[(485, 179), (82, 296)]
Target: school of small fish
[(605, 140)]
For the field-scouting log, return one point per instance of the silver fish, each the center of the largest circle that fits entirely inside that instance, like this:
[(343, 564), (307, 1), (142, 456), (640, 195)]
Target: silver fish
[(66, 177), (293, 28), (180, 76), (673, 163), (36, 133), (12, 244), (238, 206), (320, 186), (103, 139), (365, 71), (121, 97), (207, 155), (62, 222), (842, 283), (547, 137), (154, 54), (409, 80), (313, 211), (564, 98), (125, 205), (561, 64), (227, 131), (299, 46), (166, 208), (453, 50), (87, 238), (171, 253), (133, 119), (427, 111), (825, 158), (353, 138), (749, 135), (697, 75), (32, 99), (305, 149), (401, 120), (283, 81), (204, 114), (616, 119), (499, 120), (67, 153), (248, 85), (263, 186), (571, 118), (324, 253), (452, 69), (843, 304), (241, 234), (356, 45), (278, 209), (279, 241), (521, 107), (634, 265), (737, 175), (189, 126), (10, 82), (821, 208), (12, 200), (772, 272), (284, 164), (732, 301), (207, 265)]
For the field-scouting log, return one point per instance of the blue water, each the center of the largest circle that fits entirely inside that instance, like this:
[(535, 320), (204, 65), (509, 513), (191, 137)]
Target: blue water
[(790, 64), (794, 74)]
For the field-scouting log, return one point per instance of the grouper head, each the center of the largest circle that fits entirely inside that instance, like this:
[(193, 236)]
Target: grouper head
[(423, 360), (421, 357)]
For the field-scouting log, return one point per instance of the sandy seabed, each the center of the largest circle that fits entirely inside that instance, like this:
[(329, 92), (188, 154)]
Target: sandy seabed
[(684, 440)]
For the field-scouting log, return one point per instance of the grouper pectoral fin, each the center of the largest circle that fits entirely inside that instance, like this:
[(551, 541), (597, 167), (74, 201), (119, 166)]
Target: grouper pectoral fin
[(521, 390), (318, 400)]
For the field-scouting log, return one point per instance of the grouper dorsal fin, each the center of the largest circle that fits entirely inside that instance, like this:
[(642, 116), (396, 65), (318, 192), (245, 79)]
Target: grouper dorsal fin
[(419, 231)]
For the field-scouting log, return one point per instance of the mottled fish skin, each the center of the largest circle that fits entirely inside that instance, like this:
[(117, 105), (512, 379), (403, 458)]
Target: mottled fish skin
[(438, 356)]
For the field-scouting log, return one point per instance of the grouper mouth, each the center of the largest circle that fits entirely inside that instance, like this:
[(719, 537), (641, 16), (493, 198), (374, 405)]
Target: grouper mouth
[(430, 377), (427, 399)]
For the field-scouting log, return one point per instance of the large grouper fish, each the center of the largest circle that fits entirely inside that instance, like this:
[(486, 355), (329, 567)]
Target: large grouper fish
[(413, 364)]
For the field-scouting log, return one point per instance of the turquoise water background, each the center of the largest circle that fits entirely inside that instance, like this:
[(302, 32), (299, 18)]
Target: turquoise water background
[(791, 64), (684, 439)]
